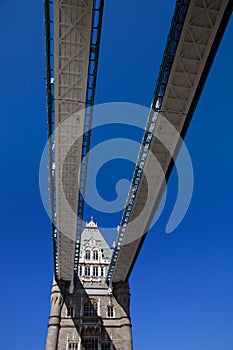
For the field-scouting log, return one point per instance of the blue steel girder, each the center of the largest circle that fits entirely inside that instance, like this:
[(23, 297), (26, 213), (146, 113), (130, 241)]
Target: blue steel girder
[(195, 35), (88, 101)]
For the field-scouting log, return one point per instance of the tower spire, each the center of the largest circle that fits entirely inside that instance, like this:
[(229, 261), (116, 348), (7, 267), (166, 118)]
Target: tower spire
[(91, 223)]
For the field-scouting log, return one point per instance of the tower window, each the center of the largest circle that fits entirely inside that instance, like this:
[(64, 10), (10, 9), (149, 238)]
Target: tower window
[(90, 343), (102, 271), (87, 270), (106, 346), (95, 271), (73, 346), (90, 308), (95, 255), (70, 311), (88, 255), (80, 270), (110, 311)]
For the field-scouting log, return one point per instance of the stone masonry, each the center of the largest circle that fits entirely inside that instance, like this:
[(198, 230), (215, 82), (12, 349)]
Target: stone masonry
[(89, 315)]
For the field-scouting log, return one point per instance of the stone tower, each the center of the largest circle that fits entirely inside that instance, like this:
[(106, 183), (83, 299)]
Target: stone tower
[(90, 316)]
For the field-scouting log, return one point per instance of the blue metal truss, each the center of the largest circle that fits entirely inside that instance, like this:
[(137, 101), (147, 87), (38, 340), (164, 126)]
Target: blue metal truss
[(49, 50), (167, 61), (165, 69), (90, 95)]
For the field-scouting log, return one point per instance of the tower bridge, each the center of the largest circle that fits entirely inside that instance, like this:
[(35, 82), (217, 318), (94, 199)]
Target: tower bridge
[(90, 294)]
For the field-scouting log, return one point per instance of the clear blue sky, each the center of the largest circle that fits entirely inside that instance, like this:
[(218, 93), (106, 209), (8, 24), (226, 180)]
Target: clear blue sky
[(182, 287)]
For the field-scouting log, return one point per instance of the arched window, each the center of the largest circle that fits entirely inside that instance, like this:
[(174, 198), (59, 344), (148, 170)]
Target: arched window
[(87, 270), (80, 270), (73, 346), (102, 271), (95, 271), (88, 255), (95, 255), (90, 308), (110, 312)]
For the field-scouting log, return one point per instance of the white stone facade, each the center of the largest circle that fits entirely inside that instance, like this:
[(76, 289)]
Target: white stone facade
[(92, 317)]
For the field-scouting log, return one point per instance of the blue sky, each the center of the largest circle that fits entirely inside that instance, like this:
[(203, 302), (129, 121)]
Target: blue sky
[(182, 288)]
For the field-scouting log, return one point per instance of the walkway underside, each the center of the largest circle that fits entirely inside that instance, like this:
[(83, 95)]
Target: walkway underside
[(179, 86), (72, 38)]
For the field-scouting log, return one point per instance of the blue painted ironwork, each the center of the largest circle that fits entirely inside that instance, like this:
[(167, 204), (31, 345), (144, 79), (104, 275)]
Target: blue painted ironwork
[(90, 94), (168, 57), (49, 50), (165, 69)]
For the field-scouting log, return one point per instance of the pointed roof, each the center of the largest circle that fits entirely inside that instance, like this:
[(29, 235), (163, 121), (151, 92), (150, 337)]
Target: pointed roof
[(91, 223), (92, 232)]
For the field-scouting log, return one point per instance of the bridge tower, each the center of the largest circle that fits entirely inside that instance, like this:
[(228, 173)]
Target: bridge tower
[(89, 315)]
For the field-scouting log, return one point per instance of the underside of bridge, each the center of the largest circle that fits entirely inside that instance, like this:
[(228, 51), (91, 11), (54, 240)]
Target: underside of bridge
[(90, 295), (195, 34)]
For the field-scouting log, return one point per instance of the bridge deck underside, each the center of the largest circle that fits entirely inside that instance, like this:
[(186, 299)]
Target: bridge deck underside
[(72, 37), (200, 29)]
